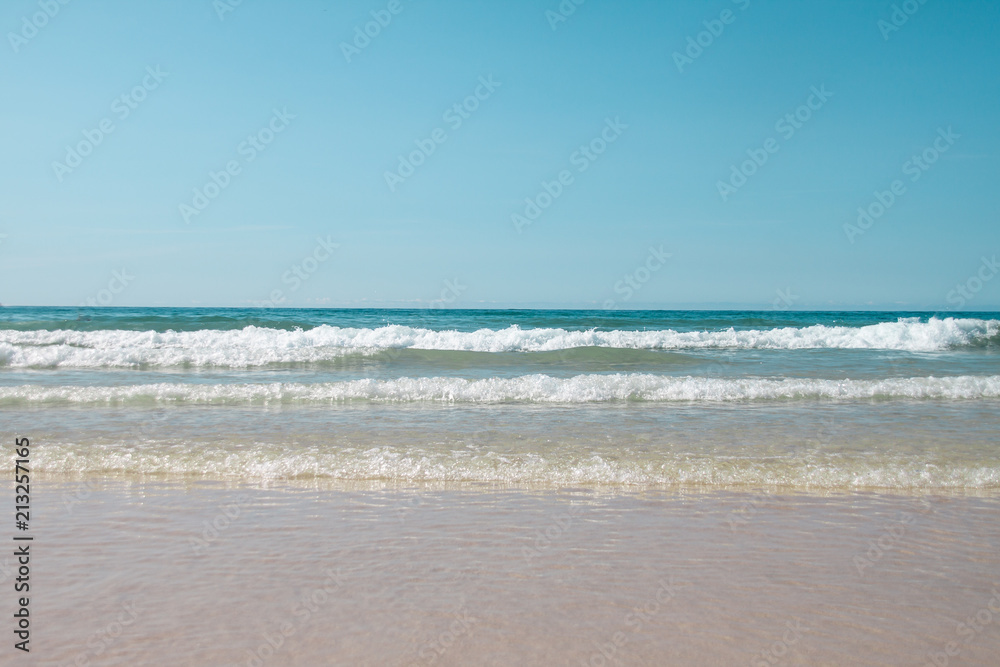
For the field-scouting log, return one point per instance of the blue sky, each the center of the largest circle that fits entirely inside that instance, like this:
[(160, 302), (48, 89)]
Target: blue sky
[(112, 229)]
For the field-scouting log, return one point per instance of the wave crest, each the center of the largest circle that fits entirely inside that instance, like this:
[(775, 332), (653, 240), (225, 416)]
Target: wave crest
[(255, 347)]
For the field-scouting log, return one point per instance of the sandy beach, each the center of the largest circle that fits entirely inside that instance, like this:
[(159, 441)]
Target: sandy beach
[(135, 571)]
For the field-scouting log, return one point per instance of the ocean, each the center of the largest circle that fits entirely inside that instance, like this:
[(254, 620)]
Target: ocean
[(429, 487), (718, 399)]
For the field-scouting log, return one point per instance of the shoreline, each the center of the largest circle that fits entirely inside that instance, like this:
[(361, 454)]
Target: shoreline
[(331, 484)]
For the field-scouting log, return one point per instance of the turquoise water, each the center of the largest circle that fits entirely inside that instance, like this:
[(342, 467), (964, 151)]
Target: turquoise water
[(800, 399)]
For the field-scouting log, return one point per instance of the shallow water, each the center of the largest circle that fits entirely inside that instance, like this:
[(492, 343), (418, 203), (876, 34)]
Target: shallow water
[(803, 401), (455, 576), (915, 446)]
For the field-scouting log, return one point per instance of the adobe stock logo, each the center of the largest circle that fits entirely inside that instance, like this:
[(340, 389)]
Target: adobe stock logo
[(582, 158), (300, 272), (254, 145), (122, 107), (632, 282), (566, 9), (105, 297), (454, 115), (964, 292), (915, 168), (452, 290), (713, 30), (899, 17), (38, 20), (223, 7), (786, 126), (381, 18)]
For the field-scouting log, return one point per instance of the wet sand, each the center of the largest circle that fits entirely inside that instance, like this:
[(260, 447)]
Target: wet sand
[(161, 572)]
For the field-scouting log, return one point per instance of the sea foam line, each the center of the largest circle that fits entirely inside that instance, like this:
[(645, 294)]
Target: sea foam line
[(263, 461), (590, 388)]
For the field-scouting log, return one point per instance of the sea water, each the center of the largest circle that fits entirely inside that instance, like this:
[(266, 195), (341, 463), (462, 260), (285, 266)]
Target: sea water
[(725, 400), (388, 487)]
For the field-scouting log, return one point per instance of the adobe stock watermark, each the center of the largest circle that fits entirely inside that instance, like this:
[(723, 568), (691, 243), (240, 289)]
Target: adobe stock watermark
[(122, 107), (786, 126), (254, 145), (565, 9), (582, 159), (454, 116), (970, 629), (223, 7), (889, 539), (901, 13), (632, 282), (452, 290), (403, 508), (105, 637), (80, 494), (301, 611), (433, 649), (636, 619), (914, 168), (105, 297), (964, 292), (747, 510), (301, 271), (779, 648), (559, 526), (784, 300), (224, 518), (37, 21), (713, 30), (381, 18)]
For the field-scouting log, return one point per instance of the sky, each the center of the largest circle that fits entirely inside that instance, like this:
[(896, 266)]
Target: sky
[(529, 153)]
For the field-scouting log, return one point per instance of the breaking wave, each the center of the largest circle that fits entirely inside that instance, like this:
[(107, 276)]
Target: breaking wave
[(255, 347), (592, 388)]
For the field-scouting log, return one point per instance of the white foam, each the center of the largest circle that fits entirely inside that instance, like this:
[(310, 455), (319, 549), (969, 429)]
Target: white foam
[(591, 388), (581, 466), (253, 346)]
